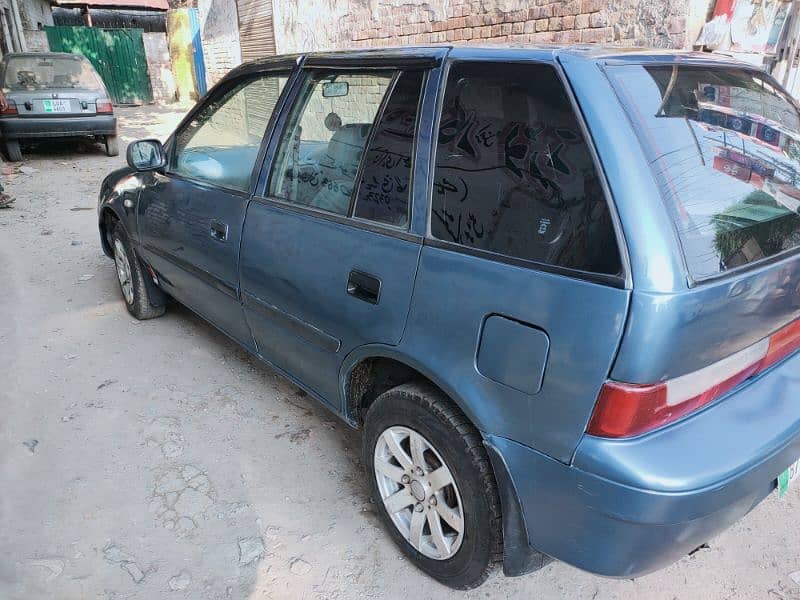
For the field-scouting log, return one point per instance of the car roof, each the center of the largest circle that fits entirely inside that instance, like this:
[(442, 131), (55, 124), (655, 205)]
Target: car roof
[(550, 53)]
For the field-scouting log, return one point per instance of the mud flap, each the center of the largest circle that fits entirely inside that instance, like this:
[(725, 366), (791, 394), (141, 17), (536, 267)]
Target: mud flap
[(519, 557)]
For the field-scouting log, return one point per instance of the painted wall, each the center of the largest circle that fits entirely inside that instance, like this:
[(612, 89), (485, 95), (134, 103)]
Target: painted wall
[(219, 32), (179, 39), (159, 66)]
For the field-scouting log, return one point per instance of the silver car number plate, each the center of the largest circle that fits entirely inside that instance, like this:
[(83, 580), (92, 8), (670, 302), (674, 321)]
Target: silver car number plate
[(56, 106)]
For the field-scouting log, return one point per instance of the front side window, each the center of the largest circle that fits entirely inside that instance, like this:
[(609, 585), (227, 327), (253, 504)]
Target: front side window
[(724, 145), (220, 144), (514, 175), (319, 155)]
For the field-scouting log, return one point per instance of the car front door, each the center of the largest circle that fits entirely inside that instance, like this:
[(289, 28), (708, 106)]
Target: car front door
[(190, 216), (328, 258)]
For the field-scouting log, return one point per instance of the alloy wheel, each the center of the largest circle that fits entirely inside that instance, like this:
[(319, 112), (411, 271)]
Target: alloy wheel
[(123, 271), (419, 492)]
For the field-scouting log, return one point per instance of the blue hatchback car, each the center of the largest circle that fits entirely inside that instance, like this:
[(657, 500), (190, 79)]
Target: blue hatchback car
[(557, 289)]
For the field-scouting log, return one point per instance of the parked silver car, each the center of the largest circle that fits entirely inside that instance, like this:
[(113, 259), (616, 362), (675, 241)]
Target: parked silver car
[(53, 95)]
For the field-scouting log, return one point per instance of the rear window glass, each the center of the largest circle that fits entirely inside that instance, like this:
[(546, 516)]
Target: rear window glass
[(724, 145), (30, 73), (514, 174)]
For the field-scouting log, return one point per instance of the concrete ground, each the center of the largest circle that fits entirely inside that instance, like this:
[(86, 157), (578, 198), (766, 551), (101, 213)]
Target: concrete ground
[(158, 460)]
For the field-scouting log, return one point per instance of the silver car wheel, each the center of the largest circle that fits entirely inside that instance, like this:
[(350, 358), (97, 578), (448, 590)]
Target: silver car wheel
[(123, 271), (419, 492)]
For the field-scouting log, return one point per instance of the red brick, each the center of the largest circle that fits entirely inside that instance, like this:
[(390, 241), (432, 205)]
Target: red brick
[(518, 27), (530, 27), (599, 35), (582, 22), (598, 20), (568, 22), (541, 24), (589, 6), (554, 24)]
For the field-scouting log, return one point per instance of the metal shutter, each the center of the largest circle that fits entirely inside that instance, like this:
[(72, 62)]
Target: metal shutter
[(256, 29)]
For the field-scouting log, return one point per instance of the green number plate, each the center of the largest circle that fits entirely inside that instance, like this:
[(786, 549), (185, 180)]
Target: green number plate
[(787, 477)]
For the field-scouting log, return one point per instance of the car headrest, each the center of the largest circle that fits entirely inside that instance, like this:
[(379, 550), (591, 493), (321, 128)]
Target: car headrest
[(347, 144)]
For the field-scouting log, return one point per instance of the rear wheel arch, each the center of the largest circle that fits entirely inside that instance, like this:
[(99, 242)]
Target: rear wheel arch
[(370, 371)]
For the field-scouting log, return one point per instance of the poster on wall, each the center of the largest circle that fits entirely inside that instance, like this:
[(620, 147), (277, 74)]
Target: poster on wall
[(753, 23)]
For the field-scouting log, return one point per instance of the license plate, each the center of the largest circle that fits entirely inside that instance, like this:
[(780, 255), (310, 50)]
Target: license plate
[(787, 477), (56, 106)]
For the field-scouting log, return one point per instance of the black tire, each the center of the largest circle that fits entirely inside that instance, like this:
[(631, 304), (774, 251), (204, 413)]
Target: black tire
[(112, 145), (425, 409), (140, 305), (13, 151)]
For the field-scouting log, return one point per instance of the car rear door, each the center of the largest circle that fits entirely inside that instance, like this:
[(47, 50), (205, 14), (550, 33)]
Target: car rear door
[(328, 258), (521, 294), (190, 216)]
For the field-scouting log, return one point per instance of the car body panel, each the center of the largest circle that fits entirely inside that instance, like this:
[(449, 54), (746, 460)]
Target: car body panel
[(654, 498), (296, 297), (455, 292), (615, 507)]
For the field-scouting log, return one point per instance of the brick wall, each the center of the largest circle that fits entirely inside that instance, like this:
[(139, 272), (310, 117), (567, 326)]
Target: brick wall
[(376, 23), (159, 66)]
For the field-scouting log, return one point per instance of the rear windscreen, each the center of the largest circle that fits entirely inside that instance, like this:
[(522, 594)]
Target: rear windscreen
[(724, 146), (31, 73)]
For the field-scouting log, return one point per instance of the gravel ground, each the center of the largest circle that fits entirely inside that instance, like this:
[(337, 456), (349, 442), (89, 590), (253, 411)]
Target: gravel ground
[(158, 460)]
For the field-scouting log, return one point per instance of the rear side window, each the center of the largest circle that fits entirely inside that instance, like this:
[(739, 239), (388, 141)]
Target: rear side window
[(723, 145), (514, 174)]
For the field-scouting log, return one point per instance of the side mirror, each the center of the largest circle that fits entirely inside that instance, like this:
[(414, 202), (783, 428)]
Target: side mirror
[(146, 155)]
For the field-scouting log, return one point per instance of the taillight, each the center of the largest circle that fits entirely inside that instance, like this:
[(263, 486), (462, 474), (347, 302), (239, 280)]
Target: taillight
[(10, 109), (625, 409), (103, 106)]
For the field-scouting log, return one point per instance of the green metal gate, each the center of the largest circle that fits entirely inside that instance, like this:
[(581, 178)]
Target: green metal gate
[(117, 54)]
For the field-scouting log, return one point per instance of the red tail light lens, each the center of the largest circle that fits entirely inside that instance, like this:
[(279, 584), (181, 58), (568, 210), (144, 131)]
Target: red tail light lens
[(782, 344), (10, 109), (104, 106), (625, 409)]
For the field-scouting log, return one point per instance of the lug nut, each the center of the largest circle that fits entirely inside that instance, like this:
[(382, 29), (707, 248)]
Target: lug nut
[(419, 472), (432, 501), (419, 507), (405, 479)]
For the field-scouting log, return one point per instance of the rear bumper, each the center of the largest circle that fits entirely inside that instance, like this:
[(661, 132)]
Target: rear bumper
[(50, 127), (625, 508)]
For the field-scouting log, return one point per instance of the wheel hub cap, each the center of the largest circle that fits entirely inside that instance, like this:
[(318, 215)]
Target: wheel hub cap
[(419, 492)]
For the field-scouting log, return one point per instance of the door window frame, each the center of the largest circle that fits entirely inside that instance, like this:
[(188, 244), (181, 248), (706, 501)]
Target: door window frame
[(624, 280), (420, 170), (284, 67)]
